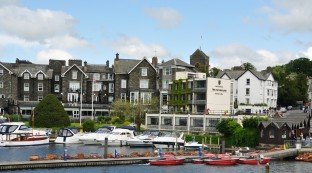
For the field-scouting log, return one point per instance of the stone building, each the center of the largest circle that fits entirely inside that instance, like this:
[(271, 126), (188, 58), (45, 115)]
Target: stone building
[(200, 60)]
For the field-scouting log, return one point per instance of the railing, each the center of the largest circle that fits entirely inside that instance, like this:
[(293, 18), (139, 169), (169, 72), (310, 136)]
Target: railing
[(197, 129), (181, 128), (211, 129), (153, 127), (166, 127)]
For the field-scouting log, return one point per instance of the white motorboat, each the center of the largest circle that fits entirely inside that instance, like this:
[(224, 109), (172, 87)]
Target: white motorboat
[(91, 138), (118, 137), (68, 136), (143, 140), (193, 145), (169, 140), (18, 134)]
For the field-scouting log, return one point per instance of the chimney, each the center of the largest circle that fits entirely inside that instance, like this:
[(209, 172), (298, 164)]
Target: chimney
[(85, 63), (154, 61), (117, 57), (107, 63)]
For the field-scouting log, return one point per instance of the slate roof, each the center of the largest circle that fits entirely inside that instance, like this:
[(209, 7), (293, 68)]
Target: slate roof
[(235, 74), (176, 62), (33, 69), (97, 68), (198, 51), (123, 66)]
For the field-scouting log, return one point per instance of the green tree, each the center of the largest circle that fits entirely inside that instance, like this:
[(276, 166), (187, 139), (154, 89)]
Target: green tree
[(214, 71), (248, 66), (300, 65), (88, 126), (50, 113), (227, 127)]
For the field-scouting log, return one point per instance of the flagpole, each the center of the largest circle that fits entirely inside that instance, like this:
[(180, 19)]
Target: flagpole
[(80, 101)]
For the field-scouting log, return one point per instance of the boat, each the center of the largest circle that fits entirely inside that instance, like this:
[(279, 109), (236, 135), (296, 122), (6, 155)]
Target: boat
[(91, 138), (118, 137), (254, 161), (168, 140), (143, 140), (167, 160), (193, 145), (198, 161), (221, 162), (68, 136), (15, 134)]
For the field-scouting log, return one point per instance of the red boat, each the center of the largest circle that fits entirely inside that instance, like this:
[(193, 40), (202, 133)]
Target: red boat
[(254, 161), (221, 162), (167, 161), (198, 161)]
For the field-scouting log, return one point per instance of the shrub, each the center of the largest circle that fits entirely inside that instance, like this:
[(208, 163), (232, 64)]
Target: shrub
[(50, 113), (88, 126), (14, 118), (116, 120), (104, 119)]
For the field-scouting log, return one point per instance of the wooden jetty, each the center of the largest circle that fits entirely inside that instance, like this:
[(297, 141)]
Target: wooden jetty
[(286, 153), (45, 164)]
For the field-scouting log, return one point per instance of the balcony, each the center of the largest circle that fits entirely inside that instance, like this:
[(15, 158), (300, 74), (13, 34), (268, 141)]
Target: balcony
[(152, 127), (165, 127), (181, 128)]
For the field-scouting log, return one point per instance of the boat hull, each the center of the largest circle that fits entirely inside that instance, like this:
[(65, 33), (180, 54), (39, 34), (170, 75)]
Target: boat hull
[(221, 162), (140, 143), (29, 142), (198, 161), (167, 162), (167, 145), (253, 161)]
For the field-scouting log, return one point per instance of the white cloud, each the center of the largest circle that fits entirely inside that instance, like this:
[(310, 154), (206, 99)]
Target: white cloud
[(290, 15), (8, 2), (135, 48), (35, 25), (234, 55), (66, 42), (307, 53), (165, 17), (44, 55), (13, 40)]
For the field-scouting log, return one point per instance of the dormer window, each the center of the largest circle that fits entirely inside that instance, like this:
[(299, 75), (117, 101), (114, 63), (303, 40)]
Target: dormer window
[(26, 75), (96, 76), (40, 76)]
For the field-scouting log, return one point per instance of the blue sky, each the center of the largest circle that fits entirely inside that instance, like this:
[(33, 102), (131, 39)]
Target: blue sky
[(262, 32)]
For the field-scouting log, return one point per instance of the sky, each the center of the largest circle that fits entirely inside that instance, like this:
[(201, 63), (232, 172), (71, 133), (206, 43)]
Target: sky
[(262, 32)]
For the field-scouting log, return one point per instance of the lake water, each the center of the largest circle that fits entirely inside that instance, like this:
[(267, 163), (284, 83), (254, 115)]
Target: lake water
[(23, 153)]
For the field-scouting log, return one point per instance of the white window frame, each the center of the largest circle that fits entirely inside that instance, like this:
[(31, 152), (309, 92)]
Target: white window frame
[(26, 75), (145, 97), (40, 98), (123, 96), (40, 76), (26, 97), (56, 78), (56, 88), (168, 71), (110, 87), (74, 85), (1, 72), (134, 97), (2, 96), (40, 86), (1, 84), (144, 83), (123, 83), (97, 86), (143, 71), (26, 86), (74, 74), (96, 76)]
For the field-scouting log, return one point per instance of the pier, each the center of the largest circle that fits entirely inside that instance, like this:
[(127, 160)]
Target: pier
[(45, 164), (286, 153)]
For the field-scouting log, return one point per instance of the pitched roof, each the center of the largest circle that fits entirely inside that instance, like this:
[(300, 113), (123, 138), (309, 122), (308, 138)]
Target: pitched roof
[(33, 69), (3, 65), (141, 62), (235, 74), (124, 66), (201, 53), (176, 62), (66, 69), (97, 68)]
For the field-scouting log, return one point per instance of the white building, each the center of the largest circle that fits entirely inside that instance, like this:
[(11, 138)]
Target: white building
[(254, 92)]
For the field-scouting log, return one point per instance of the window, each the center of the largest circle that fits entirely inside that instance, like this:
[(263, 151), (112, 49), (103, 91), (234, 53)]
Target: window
[(74, 74), (247, 81), (110, 76), (26, 86), (2, 96), (271, 134), (1, 84), (26, 97), (40, 76), (40, 98), (144, 72), (146, 97), (110, 99), (123, 96), (1, 72), (40, 86), (247, 101), (74, 86), (134, 97), (123, 83), (26, 75), (103, 76), (97, 86), (96, 76), (167, 71), (268, 91), (143, 83), (56, 88), (110, 88), (165, 84), (247, 91), (164, 99), (57, 78)]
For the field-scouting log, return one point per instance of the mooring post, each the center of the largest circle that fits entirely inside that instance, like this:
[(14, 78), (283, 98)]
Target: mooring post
[(105, 147), (65, 154), (267, 168), (222, 146)]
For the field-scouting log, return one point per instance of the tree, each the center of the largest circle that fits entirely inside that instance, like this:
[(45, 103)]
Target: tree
[(227, 127), (136, 111), (214, 71), (88, 126), (50, 113), (300, 65), (248, 66)]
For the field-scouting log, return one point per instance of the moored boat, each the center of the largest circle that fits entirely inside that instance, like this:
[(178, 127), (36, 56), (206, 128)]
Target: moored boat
[(221, 162), (25, 140), (68, 136), (254, 161), (168, 140), (167, 160), (198, 161)]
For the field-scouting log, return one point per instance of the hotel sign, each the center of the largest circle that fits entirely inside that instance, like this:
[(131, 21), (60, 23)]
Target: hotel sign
[(219, 89)]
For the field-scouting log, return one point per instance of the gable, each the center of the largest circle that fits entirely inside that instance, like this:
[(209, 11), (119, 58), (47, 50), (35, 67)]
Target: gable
[(270, 78), (70, 68), (4, 67), (225, 76), (143, 60)]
